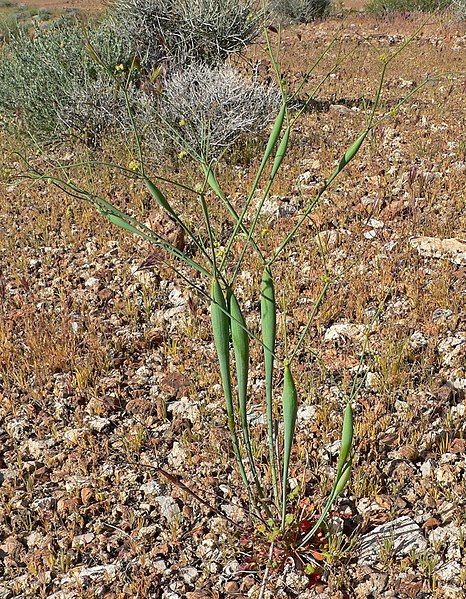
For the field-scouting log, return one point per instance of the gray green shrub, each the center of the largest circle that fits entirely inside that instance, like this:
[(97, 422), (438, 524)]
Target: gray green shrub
[(49, 80), (183, 31), (15, 18), (52, 84), (299, 11), (38, 71)]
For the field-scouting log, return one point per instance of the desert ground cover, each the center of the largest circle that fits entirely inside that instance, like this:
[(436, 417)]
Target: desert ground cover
[(54, 6), (117, 478)]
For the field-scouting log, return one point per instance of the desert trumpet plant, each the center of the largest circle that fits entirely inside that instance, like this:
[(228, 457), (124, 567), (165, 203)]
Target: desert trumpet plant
[(266, 484)]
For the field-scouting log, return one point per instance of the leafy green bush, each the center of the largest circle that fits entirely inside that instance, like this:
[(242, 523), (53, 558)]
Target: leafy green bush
[(385, 6), (183, 31), (38, 71), (56, 88), (299, 11)]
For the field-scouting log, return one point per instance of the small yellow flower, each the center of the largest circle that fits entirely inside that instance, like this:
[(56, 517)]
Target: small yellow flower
[(182, 123), (182, 155), (133, 165), (119, 67)]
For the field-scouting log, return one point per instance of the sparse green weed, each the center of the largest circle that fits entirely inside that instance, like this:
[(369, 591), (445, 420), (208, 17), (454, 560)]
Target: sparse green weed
[(212, 268)]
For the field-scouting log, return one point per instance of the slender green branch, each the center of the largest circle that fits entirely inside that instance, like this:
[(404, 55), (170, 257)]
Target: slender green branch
[(109, 210), (130, 172), (315, 64), (272, 141), (273, 138), (214, 185), (205, 212), (281, 151), (315, 308)]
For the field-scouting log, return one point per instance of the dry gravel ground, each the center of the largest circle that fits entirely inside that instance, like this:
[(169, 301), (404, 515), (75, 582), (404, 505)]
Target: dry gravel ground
[(106, 368), (97, 6), (54, 6)]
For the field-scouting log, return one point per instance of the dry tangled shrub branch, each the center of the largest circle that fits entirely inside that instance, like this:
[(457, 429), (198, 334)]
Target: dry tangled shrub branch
[(210, 107)]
